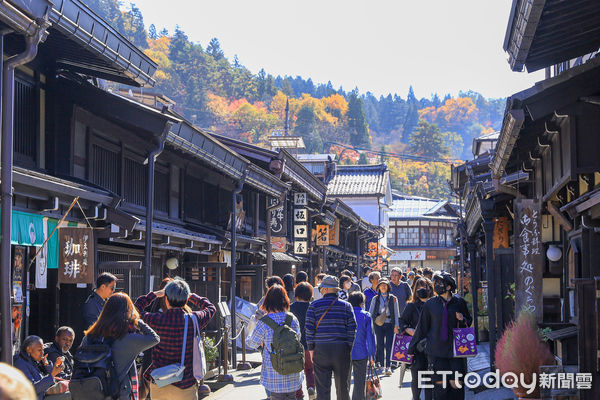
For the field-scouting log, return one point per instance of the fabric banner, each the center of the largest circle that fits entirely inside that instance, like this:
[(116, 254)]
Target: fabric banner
[(41, 263), (76, 255), (26, 229)]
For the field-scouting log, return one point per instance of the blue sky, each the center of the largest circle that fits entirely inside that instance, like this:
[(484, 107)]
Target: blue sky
[(381, 46)]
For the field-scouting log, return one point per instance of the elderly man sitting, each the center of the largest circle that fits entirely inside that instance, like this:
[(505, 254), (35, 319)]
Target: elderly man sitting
[(60, 348)]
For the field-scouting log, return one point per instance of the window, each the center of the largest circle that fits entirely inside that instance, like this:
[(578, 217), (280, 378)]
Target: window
[(442, 237), (106, 168), (192, 198), (391, 237), (426, 238), (161, 191), (135, 189), (25, 122)]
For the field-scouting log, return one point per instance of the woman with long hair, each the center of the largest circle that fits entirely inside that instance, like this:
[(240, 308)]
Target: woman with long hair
[(119, 325), (422, 291)]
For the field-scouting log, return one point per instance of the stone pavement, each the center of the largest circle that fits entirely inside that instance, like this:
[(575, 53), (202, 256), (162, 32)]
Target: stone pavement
[(246, 384)]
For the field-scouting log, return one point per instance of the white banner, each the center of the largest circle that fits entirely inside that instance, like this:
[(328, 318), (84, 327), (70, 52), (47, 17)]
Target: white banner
[(41, 263), (411, 255)]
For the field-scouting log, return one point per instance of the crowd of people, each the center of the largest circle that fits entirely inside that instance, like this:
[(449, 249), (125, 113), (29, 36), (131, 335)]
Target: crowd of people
[(119, 330), (335, 330), (346, 326)]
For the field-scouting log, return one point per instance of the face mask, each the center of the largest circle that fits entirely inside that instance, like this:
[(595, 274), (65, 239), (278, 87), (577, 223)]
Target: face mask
[(439, 288), (347, 285), (423, 293)]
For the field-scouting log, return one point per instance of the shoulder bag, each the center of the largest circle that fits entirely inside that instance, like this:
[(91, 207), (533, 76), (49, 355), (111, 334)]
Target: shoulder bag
[(380, 319), (171, 373), (198, 352)]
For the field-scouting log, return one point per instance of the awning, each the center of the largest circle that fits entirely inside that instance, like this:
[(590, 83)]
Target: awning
[(27, 229), (284, 257)]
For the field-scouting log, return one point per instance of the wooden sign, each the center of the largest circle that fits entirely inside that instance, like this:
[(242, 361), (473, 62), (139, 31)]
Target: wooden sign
[(300, 199), (300, 232), (278, 217), (322, 235), (76, 255), (334, 233), (300, 215), (528, 257), (300, 247), (501, 233), (278, 244)]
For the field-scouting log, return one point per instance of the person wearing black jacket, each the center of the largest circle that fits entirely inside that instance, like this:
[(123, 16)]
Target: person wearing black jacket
[(423, 291), (439, 316)]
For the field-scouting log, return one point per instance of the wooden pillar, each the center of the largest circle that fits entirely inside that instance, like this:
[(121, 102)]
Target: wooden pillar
[(487, 208)]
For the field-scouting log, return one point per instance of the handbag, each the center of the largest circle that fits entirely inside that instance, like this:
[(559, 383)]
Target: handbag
[(199, 360), (400, 349), (171, 373), (464, 342), (373, 385), (380, 319)]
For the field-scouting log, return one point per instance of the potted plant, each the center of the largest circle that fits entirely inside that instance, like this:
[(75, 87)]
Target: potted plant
[(210, 352), (483, 324), (522, 350)]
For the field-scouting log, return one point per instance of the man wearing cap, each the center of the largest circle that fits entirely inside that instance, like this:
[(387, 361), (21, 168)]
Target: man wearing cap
[(330, 329)]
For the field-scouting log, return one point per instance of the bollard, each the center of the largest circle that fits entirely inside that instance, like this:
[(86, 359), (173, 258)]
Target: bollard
[(225, 377), (204, 389), (243, 365)]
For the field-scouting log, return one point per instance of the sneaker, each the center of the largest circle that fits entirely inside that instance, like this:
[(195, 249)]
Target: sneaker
[(312, 394), (388, 371)]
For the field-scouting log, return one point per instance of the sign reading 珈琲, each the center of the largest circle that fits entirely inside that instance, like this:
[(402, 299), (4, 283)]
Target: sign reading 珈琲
[(76, 255), (528, 257)]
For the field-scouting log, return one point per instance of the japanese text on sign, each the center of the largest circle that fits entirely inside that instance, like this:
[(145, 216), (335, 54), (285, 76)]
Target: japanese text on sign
[(278, 217), (528, 266), (300, 247), (300, 215), (76, 263), (322, 235), (299, 199)]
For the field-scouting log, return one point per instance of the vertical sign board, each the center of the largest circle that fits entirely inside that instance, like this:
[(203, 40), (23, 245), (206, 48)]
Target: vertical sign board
[(322, 235), (76, 255), (334, 233), (528, 257), (278, 217), (501, 233), (300, 199)]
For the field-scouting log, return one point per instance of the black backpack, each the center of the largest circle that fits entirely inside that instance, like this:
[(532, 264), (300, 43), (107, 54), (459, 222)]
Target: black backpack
[(94, 373)]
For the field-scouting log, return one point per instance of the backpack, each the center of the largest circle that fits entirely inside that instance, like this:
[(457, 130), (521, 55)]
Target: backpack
[(94, 373), (287, 353)]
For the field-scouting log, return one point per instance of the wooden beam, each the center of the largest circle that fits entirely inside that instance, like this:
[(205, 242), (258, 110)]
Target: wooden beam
[(560, 218)]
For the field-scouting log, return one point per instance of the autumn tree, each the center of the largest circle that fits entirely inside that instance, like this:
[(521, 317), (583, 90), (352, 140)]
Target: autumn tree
[(428, 140)]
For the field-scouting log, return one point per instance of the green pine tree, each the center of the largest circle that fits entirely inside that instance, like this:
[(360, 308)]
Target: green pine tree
[(357, 122)]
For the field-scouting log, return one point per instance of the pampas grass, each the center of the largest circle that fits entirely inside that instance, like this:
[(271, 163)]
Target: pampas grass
[(521, 349)]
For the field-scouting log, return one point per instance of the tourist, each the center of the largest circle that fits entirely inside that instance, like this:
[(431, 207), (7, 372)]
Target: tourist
[(365, 283), (288, 283), (301, 276), (372, 291), (354, 287), (423, 290), (119, 323), (330, 331), (35, 365), (345, 284), (385, 303), (439, 316), (63, 340), (170, 326), (303, 292), (400, 289), (428, 273), (364, 348), (105, 287), (14, 385), (276, 305), (316, 292)]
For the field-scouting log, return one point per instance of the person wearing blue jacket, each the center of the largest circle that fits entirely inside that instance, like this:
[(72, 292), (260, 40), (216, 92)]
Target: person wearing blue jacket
[(364, 344), (35, 366)]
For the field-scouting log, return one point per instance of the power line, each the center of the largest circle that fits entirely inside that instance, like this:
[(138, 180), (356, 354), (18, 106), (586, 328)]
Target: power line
[(413, 157)]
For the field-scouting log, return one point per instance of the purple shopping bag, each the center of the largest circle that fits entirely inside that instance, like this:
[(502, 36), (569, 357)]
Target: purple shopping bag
[(400, 348), (465, 344)]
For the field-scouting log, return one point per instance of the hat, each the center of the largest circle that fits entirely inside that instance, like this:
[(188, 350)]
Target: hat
[(411, 273), (383, 281), (330, 282)]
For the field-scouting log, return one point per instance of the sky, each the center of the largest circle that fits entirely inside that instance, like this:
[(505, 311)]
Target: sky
[(380, 46)]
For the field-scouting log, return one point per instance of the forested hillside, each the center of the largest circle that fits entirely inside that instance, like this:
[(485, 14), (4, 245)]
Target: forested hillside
[(223, 96)]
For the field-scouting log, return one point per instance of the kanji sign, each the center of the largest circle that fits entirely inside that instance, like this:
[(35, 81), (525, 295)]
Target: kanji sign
[(300, 215), (322, 235), (528, 257), (501, 233), (300, 199), (334, 233), (76, 255), (278, 217), (300, 232), (300, 247)]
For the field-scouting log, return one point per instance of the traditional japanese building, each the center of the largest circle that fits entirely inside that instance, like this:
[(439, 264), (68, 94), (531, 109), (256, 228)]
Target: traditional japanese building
[(421, 232)]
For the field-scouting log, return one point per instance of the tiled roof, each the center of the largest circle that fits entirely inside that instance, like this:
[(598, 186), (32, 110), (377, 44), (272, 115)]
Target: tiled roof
[(418, 207), (359, 180)]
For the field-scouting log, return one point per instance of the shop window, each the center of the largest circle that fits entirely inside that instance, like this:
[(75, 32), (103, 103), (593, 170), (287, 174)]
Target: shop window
[(391, 237), (246, 287)]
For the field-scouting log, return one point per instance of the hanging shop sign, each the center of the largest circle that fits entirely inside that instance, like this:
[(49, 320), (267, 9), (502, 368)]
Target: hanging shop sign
[(300, 199), (278, 244), (300, 247), (528, 249), (409, 255), (300, 215), (76, 255), (300, 232), (334, 233), (278, 217), (501, 233), (322, 235)]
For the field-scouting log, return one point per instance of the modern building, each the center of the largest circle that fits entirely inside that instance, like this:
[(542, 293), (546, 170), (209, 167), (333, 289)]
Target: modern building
[(421, 232)]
